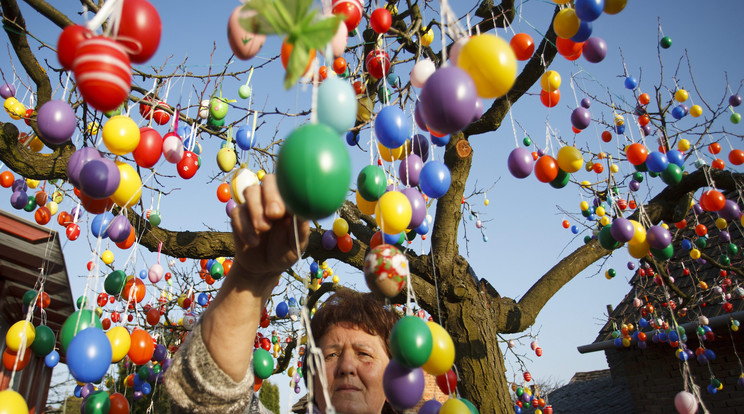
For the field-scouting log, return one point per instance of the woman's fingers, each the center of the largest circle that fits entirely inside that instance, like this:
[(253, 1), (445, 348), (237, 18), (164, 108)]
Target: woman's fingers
[(273, 205), (254, 204), (243, 227)]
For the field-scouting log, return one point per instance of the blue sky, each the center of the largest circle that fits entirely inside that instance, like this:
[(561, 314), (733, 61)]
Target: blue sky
[(522, 221)]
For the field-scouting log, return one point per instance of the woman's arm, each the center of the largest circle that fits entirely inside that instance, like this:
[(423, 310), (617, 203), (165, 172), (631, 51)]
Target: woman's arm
[(265, 246)]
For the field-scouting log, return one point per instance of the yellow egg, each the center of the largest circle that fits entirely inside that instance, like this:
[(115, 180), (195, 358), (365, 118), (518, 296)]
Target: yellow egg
[(335, 279), (32, 183), (550, 81), (721, 223), (600, 211), (683, 145), (681, 95), (694, 254), (605, 220), (427, 38), (260, 174), (696, 111), (36, 144), (584, 206), (107, 257)]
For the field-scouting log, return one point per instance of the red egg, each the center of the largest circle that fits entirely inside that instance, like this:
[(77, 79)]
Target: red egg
[(68, 42), (352, 9), (381, 20), (103, 73), (377, 63), (72, 231), (139, 29), (188, 165)]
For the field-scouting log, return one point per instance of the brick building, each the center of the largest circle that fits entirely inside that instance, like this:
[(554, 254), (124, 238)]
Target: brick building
[(25, 249), (650, 375)]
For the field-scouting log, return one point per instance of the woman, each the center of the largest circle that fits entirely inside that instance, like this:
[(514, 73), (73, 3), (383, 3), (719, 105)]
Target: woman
[(212, 371)]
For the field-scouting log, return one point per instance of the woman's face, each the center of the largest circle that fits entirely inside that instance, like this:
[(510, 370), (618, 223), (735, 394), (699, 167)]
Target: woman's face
[(355, 362)]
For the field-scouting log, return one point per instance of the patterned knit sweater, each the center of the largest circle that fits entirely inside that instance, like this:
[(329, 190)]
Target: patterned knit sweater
[(197, 385)]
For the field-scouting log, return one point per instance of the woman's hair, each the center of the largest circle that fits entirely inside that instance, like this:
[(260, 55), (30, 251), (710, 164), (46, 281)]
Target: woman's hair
[(358, 310)]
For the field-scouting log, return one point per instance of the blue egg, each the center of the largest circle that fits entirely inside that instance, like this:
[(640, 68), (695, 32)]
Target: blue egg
[(676, 157), (352, 138), (292, 302), (100, 223), (78, 391), (202, 299), (146, 388), (314, 267), (620, 129), (244, 138), (282, 309), (657, 161), (391, 238), (631, 82), (440, 141), (710, 354), (584, 33), (642, 322), (686, 244), (143, 274), (575, 229), (678, 112), (423, 228), (393, 79)]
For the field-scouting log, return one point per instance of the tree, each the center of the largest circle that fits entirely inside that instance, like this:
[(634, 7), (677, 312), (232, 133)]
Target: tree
[(470, 308), (269, 396)]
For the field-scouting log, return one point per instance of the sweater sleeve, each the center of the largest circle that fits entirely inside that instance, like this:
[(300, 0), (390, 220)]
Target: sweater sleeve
[(197, 385)]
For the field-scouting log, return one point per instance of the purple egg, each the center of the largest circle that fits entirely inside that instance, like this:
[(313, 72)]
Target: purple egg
[(77, 160), (520, 162), (119, 229), (730, 211), (540, 152), (19, 185), (403, 386), (138, 395), (622, 229), (77, 212), (7, 91), (735, 100), (418, 206), (166, 364), (328, 241), (56, 121), (586, 103), (419, 117), (99, 178), (697, 208), (420, 146), (595, 49), (581, 117), (410, 169), (87, 389), (724, 236), (430, 407), (230, 205), (160, 352), (478, 111), (18, 199), (634, 185), (448, 100), (646, 130), (658, 237)]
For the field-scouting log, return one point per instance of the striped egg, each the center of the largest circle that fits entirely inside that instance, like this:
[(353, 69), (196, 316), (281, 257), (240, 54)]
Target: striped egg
[(103, 73)]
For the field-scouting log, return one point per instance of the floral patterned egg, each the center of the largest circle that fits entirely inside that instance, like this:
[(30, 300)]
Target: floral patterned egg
[(386, 270)]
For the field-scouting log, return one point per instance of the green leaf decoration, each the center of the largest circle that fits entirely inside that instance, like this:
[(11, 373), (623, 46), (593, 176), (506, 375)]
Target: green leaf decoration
[(295, 20)]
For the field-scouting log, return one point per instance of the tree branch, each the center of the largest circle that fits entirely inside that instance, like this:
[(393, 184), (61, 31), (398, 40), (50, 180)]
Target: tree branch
[(48, 11), (23, 51)]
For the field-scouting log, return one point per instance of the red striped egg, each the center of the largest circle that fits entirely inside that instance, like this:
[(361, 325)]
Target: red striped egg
[(103, 73)]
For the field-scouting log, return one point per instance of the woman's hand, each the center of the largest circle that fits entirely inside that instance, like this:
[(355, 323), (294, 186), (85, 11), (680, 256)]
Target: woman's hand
[(264, 234), (265, 246)]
